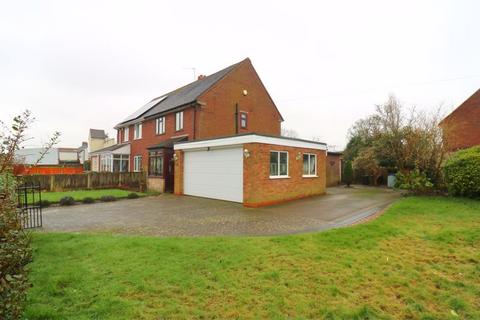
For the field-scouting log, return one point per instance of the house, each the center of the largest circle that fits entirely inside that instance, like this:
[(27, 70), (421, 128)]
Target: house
[(461, 128), (230, 101), (334, 168), (217, 137), (53, 161), (98, 139), (253, 169)]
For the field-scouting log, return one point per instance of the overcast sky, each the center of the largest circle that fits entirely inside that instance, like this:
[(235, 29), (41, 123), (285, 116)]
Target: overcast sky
[(89, 64)]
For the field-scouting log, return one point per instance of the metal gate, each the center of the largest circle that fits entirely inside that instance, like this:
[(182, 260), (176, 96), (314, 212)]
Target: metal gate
[(29, 206)]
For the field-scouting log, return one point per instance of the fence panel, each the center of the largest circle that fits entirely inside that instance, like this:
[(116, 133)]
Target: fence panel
[(90, 180)]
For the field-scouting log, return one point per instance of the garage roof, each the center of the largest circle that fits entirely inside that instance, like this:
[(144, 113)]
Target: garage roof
[(250, 138)]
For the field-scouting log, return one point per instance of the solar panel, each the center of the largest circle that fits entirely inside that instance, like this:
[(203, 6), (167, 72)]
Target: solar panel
[(144, 109)]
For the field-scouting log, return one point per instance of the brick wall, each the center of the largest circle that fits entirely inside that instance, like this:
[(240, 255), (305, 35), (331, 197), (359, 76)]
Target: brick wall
[(462, 127), (178, 177), (333, 167), (259, 189), (217, 117)]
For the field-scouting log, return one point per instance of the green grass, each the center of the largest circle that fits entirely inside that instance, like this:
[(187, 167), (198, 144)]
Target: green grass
[(420, 260), (78, 195)]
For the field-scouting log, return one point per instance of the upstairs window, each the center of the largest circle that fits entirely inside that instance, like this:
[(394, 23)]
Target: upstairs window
[(179, 121), (160, 125), (309, 165), (126, 133), (243, 119), (278, 164), (137, 132)]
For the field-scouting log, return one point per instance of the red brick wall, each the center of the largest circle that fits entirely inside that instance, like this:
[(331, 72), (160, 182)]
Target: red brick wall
[(150, 138), (333, 167), (462, 127), (217, 117), (259, 189), (178, 177)]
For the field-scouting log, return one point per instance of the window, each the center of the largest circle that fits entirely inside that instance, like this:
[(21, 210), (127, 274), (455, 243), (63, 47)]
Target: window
[(243, 119), (137, 163), (278, 164), (160, 125), (137, 131), (106, 163), (155, 163), (126, 133), (179, 121), (120, 163), (309, 165)]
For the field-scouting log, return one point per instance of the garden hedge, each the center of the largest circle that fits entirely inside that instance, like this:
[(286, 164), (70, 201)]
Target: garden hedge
[(462, 173)]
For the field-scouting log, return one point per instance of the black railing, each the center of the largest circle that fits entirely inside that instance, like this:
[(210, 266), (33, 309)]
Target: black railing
[(30, 206)]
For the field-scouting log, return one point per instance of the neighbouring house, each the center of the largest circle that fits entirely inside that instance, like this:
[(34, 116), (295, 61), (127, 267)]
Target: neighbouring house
[(253, 169), (461, 128), (334, 168), (54, 161), (98, 139)]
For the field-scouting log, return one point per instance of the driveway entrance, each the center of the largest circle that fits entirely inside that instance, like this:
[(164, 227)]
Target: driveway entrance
[(169, 215)]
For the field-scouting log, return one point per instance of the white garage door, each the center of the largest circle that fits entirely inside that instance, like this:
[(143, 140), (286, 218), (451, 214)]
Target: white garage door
[(216, 174)]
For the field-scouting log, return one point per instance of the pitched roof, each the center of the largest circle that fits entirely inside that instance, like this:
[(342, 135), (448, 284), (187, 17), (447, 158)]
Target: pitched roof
[(179, 97), (473, 100), (111, 148), (168, 143), (97, 134)]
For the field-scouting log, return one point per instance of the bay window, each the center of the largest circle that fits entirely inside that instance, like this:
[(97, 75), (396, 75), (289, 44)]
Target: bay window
[(155, 163)]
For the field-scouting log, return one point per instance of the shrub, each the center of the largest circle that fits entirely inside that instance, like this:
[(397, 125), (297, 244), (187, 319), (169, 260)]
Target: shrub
[(462, 173), (108, 198), (348, 173), (414, 181), (133, 195), (44, 203), (67, 201), (88, 200)]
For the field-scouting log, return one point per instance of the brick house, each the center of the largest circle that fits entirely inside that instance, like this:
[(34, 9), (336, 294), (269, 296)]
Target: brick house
[(200, 121), (461, 128)]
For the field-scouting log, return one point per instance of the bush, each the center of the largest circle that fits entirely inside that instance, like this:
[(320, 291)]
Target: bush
[(414, 181), (462, 173), (133, 195), (108, 198), (88, 200), (67, 201), (44, 203), (348, 173)]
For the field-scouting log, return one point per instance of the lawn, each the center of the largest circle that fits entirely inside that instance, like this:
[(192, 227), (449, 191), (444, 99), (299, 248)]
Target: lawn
[(420, 260), (78, 195)]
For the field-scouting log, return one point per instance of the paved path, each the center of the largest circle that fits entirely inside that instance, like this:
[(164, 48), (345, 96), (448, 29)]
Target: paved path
[(169, 215)]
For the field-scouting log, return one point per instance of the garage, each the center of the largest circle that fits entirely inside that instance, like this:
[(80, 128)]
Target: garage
[(253, 169), (214, 173)]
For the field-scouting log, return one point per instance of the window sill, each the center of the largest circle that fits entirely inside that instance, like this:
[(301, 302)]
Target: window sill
[(154, 176), (279, 177), (137, 138), (160, 134), (309, 176)]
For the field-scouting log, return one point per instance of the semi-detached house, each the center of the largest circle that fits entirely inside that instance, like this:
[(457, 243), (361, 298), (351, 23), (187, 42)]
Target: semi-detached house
[(232, 102)]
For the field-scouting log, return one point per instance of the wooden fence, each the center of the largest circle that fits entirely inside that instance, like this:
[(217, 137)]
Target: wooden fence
[(89, 180)]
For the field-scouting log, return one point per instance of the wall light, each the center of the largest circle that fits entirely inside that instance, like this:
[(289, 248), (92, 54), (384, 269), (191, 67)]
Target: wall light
[(298, 156), (175, 157), (246, 153)]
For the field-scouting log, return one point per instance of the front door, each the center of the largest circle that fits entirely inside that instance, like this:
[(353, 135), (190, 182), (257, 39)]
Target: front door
[(169, 171)]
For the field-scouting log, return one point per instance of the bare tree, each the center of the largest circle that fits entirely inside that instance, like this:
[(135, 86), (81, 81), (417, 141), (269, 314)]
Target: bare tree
[(290, 133)]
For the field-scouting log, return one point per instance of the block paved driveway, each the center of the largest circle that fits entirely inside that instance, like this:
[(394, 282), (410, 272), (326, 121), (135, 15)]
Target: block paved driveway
[(169, 215)]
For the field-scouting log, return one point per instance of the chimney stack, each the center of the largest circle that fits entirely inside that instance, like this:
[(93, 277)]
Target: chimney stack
[(201, 77)]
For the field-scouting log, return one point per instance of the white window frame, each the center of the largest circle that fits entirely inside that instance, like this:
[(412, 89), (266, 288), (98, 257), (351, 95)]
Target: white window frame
[(137, 131), (137, 163), (126, 134), (314, 175), (279, 176), (160, 125), (179, 121)]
